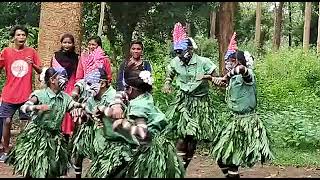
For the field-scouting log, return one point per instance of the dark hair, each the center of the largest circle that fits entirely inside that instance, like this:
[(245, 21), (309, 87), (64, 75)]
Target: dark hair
[(103, 74), (50, 72), (67, 35), (136, 42), (239, 55), (97, 39), (131, 78), (18, 27), (71, 37)]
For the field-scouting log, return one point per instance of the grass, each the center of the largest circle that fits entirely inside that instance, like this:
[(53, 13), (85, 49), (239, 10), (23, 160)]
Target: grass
[(285, 156), (290, 156)]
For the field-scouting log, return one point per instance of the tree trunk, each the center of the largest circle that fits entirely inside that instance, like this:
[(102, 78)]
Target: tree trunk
[(103, 6), (258, 25), (57, 18), (290, 24), (306, 29), (213, 17), (318, 40), (188, 29), (278, 26), (225, 30)]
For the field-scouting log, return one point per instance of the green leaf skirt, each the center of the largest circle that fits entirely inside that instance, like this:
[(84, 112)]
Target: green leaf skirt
[(87, 141), (191, 115), (155, 160), (242, 141), (39, 153)]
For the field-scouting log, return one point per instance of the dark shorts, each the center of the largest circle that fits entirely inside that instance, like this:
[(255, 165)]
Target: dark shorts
[(8, 110)]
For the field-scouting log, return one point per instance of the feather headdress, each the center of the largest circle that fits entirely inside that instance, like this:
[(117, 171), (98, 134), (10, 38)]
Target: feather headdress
[(232, 48), (179, 34)]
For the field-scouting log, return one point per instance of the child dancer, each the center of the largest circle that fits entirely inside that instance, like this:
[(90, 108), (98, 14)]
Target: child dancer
[(41, 149)]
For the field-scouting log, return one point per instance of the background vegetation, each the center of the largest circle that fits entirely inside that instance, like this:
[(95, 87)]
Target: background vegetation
[(288, 79)]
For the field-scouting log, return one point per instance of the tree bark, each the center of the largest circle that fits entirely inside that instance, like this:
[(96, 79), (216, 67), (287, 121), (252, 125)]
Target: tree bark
[(306, 29), (57, 18), (213, 17), (278, 26), (225, 30), (290, 24), (318, 40), (258, 25), (103, 6)]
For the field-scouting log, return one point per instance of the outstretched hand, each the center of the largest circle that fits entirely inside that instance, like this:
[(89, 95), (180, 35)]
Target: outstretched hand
[(167, 88), (42, 107)]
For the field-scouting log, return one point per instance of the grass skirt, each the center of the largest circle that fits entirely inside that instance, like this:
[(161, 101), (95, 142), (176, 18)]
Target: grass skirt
[(194, 116), (87, 141), (39, 153), (243, 141), (155, 160)]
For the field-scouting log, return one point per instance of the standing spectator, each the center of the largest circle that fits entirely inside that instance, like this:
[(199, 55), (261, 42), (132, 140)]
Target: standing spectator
[(18, 62), (136, 60), (67, 58), (93, 58)]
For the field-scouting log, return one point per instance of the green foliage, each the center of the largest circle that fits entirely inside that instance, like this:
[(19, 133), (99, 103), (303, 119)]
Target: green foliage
[(19, 13)]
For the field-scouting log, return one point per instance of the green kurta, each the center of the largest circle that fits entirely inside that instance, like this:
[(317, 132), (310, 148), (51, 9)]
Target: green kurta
[(41, 150), (187, 76), (88, 139), (241, 96), (58, 104), (192, 112)]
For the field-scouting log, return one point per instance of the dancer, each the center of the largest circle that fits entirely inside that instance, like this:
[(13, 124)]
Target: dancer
[(191, 113), (41, 149), (243, 140), (88, 140), (136, 146)]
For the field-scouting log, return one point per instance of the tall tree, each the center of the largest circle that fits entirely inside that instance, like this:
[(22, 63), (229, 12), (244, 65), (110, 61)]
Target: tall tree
[(318, 39), (290, 24), (57, 18), (102, 6), (277, 26), (258, 25), (225, 30), (213, 19), (306, 29)]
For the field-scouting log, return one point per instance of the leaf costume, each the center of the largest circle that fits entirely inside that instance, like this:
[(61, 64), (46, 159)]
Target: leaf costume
[(126, 156), (41, 150)]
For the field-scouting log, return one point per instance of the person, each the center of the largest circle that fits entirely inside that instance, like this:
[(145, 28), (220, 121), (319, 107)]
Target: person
[(18, 62), (243, 140), (67, 58), (191, 113), (41, 149), (136, 146), (136, 60), (88, 141), (92, 58)]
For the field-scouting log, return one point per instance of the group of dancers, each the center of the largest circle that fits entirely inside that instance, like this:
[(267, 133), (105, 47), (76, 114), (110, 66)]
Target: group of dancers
[(124, 134)]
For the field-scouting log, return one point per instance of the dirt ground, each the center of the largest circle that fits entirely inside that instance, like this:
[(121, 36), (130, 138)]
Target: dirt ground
[(203, 167)]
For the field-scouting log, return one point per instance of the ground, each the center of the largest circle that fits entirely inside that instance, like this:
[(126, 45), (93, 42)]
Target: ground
[(203, 167)]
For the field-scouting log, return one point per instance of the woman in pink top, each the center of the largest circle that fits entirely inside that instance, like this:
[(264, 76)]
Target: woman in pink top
[(67, 58), (92, 58)]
